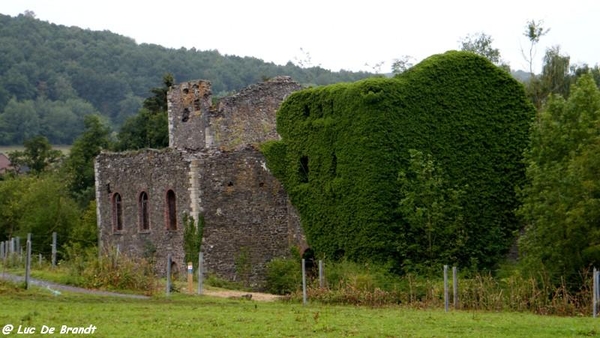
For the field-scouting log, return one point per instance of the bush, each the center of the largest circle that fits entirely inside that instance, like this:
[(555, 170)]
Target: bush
[(284, 275), (361, 276)]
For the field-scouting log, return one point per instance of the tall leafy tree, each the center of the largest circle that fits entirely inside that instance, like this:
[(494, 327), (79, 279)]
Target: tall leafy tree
[(38, 155), (561, 202), (80, 164), (556, 75), (19, 122), (534, 31), (481, 44), (57, 213), (149, 128), (38, 205), (431, 208)]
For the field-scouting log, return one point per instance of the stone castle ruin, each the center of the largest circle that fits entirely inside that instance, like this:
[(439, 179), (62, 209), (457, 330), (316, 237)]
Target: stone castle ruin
[(211, 170)]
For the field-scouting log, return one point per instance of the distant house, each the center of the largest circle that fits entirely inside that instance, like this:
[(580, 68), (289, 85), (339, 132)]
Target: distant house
[(4, 164)]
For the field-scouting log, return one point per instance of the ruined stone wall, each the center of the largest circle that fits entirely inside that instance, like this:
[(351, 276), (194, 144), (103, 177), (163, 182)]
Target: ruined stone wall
[(248, 217), (128, 174), (188, 108), (248, 117), (216, 171)]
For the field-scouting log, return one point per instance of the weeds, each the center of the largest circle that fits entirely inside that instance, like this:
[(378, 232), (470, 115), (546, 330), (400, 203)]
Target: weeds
[(110, 270), (355, 284)]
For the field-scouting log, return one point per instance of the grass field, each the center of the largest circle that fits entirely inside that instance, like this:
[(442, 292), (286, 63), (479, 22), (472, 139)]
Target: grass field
[(202, 316)]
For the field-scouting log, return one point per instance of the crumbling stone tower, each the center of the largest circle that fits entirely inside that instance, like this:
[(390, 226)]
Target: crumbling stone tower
[(211, 170)]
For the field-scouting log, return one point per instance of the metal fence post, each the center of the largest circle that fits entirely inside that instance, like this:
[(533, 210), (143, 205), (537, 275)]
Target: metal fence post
[(455, 286), (19, 250), (54, 249), (303, 281), (595, 293), (168, 274), (200, 272), (446, 288), (28, 261), (321, 275)]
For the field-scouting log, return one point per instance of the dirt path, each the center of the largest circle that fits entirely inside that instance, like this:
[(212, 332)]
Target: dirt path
[(261, 297), (56, 288)]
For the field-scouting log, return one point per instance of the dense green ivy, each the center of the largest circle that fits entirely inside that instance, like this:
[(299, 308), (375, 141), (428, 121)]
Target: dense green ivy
[(344, 145)]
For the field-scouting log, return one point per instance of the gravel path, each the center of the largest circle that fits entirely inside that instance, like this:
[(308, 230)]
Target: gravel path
[(55, 287)]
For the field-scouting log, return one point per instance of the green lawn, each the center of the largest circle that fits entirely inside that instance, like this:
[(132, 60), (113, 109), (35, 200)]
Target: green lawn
[(201, 316)]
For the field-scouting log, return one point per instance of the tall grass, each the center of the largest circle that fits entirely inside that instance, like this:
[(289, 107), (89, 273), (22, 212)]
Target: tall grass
[(355, 284), (109, 270)]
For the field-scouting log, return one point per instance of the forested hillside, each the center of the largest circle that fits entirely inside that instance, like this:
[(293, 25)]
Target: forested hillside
[(51, 76)]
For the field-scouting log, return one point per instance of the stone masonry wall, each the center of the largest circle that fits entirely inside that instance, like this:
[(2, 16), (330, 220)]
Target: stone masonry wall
[(248, 217), (188, 108), (128, 174), (216, 171), (247, 117)]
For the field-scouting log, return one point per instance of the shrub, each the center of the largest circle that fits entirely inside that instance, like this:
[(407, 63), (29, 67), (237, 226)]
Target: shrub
[(284, 275)]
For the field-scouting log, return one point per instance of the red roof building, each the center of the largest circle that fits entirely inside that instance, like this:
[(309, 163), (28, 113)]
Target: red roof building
[(4, 163)]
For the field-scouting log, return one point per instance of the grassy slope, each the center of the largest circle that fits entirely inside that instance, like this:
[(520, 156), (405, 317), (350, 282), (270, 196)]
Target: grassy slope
[(193, 316)]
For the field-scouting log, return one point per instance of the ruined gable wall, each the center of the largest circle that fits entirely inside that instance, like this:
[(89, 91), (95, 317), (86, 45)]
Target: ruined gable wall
[(130, 173), (249, 117), (248, 217)]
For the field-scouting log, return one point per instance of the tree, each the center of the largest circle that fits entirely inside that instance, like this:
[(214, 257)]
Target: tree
[(481, 44), (149, 128), (19, 122), (39, 205), (402, 64), (38, 155), (80, 163), (555, 78), (192, 238), (84, 233), (158, 102), (534, 31), (48, 209), (432, 211), (11, 190), (561, 201)]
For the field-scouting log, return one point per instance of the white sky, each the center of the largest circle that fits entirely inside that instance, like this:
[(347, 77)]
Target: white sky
[(337, 34)]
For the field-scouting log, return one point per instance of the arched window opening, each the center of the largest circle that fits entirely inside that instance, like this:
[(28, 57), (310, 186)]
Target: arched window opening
[(117, 209), (171, 211), (143, 212)]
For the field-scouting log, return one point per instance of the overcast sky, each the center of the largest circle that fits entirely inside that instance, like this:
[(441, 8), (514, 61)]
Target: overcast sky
[(337, 34)]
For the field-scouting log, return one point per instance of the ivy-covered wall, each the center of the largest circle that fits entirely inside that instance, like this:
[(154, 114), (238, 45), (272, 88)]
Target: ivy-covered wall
[(344, 145)]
